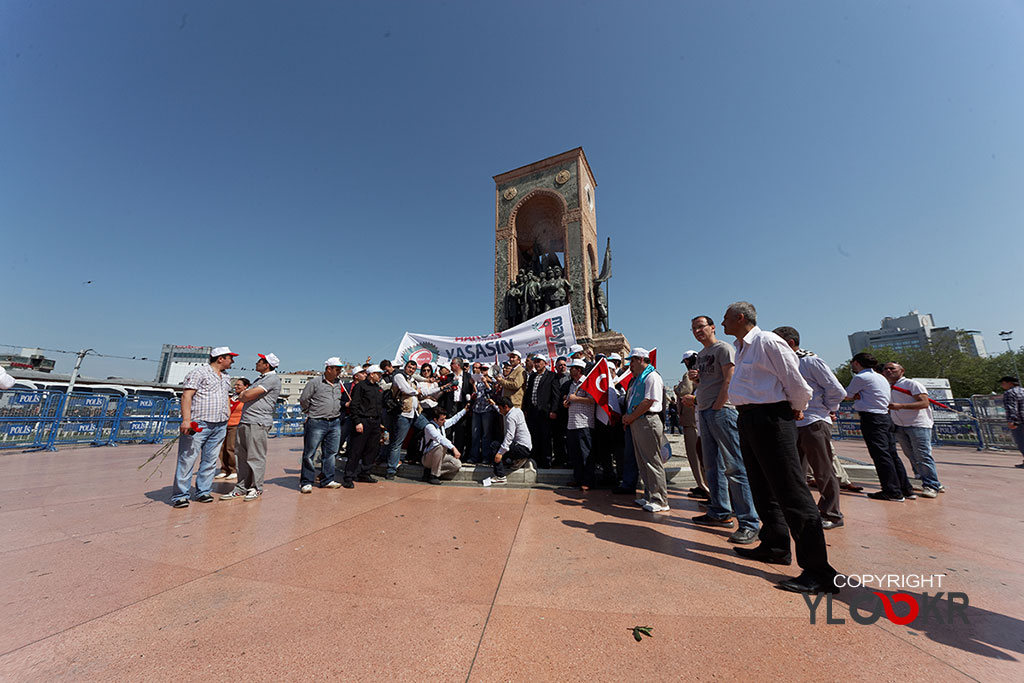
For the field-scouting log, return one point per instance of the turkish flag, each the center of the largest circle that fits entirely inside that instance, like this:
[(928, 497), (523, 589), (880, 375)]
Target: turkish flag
[(599, 385), (626, 377)]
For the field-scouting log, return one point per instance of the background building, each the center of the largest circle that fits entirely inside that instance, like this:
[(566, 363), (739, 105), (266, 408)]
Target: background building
[(28, 359), (177, 361), (913, 331), (292, 384)]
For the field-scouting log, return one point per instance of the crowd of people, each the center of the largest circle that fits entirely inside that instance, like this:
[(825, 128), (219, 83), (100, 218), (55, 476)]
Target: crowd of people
[(755, 416)]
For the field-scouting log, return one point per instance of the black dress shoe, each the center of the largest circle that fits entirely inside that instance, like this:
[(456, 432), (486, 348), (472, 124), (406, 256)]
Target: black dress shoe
[(366, 479), (881, 495), (348, 484), (619, 490), (708, 520), (205, 498), (762, 554), (436, 481), (389, 475), (808, 583)]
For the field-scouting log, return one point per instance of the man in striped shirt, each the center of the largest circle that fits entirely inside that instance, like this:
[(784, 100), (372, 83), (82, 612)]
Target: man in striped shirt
[(205, 402)]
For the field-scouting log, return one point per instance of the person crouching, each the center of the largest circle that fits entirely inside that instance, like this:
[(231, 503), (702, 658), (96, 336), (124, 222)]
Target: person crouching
[(438, 463)]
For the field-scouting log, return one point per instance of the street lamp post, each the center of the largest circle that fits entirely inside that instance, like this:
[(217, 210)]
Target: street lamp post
[(1007, 336)]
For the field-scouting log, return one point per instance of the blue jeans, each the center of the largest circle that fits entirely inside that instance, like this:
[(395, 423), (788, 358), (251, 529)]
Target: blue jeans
[(724, 469), (402, 425), (205, 447), (916, 443), (328, 433), (482, 423)]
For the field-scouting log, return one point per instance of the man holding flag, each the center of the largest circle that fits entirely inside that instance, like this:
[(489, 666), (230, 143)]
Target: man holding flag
[(608, 437), (580, 425)]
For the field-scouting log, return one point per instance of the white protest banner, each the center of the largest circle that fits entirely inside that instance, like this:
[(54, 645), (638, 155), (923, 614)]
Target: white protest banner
[(549, 334)]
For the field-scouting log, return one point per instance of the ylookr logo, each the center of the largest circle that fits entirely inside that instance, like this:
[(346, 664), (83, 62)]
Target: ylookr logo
[(867, 608)]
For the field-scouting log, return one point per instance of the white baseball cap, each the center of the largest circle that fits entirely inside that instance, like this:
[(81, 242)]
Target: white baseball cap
[(614, 356), (575, 348), (689, 354), (537, 356), (270, 358), (357, 369), (639, 352), (374, 368), (221, 351), (515, 353), (577, 363), (333, 361)]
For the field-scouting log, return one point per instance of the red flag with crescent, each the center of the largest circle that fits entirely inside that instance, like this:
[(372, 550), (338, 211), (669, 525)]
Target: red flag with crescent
[(626, 377), (598, 384)]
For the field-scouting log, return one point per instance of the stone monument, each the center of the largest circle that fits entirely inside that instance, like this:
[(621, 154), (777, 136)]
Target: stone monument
[(545, 248)]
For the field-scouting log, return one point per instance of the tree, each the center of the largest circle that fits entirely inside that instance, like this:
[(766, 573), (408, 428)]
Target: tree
[(944, 358)]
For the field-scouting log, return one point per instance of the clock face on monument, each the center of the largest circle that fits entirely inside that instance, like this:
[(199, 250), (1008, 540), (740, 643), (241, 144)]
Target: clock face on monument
[(588, 194)]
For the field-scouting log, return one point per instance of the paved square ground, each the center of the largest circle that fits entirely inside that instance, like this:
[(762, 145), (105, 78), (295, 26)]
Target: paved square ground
[(101, 579)]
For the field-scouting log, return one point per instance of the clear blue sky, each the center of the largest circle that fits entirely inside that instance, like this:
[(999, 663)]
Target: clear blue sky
[(277, 176)]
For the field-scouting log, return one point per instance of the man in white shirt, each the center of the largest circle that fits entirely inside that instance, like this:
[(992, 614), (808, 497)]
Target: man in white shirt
[(770, 394), (515, 448), (911, 413), (441, 458), (871, 398), (644, 401), (814, 431)]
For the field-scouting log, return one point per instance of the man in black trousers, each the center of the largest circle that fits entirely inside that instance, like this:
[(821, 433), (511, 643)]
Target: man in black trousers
[(366, 411), (540, 403), (770, 395), (871, 396)]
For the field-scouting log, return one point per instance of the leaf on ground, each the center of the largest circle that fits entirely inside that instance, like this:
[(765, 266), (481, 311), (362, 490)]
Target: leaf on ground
[(640, 631)]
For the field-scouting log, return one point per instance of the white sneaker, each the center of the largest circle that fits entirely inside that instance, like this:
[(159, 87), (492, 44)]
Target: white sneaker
[(253, 494), (232, 495), (640, 501), (928, 492), (332, 485), (306, 488), (232, 477), (492, 481), (654, 507)]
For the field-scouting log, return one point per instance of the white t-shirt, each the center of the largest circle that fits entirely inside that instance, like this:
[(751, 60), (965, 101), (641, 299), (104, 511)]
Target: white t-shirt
[(654, 389), (910, 418)]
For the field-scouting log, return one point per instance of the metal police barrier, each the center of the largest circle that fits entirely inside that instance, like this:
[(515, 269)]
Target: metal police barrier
[(170, 423), (950, 428), (141, 419), (27, 417), (288, 421), (39, 419), (87, 419), (957, 427), (992, 418)]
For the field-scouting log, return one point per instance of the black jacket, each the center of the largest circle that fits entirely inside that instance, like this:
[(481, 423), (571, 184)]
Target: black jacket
[(548, 393), (367, 402)]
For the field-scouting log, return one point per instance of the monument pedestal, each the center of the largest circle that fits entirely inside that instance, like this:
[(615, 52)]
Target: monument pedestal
[(608, 343)]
